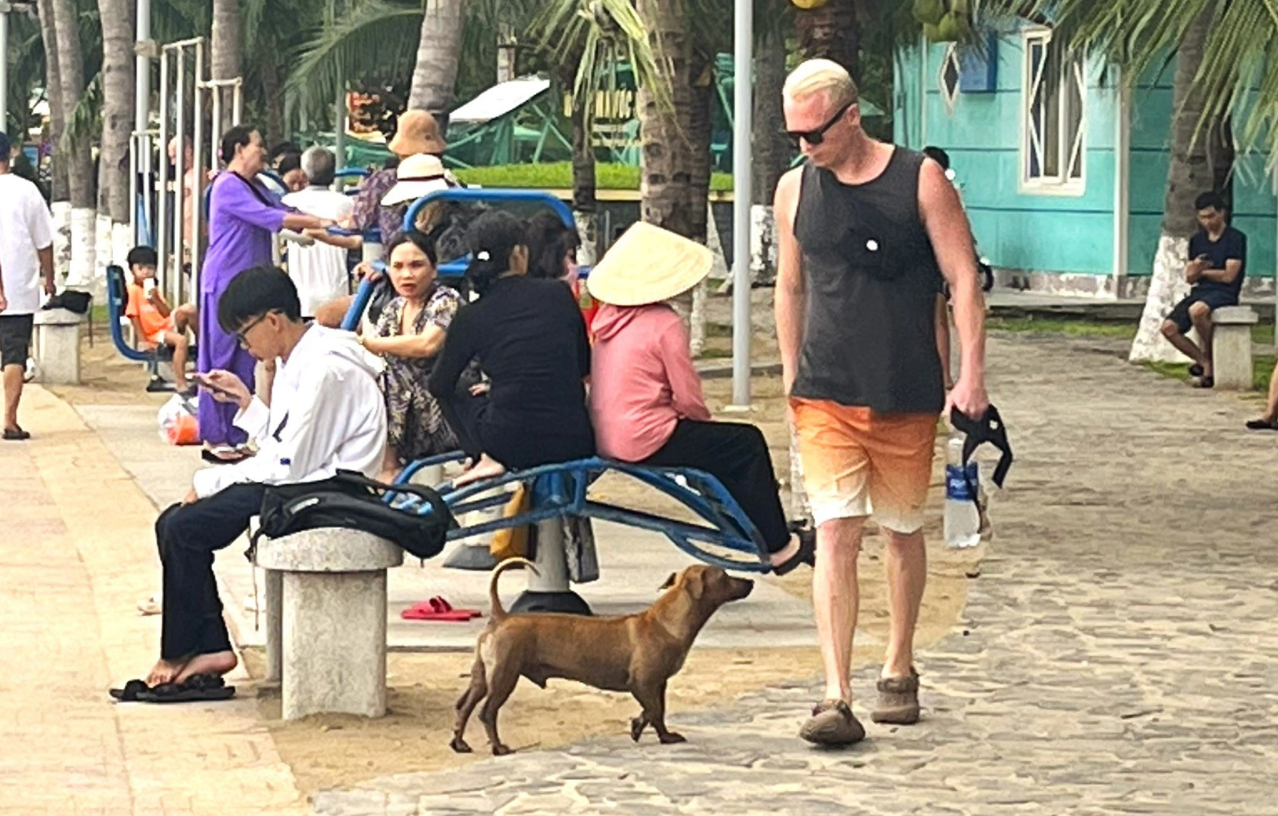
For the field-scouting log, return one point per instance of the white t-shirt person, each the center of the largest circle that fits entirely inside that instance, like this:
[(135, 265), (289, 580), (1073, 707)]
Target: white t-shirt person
[(319, 270), (25, 228)]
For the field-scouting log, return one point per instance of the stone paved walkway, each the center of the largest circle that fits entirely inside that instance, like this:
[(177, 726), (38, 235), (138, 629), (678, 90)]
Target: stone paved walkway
[(1119, 653)]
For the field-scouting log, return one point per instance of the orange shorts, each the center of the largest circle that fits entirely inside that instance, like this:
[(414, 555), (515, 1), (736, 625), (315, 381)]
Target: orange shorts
[(857, 462)]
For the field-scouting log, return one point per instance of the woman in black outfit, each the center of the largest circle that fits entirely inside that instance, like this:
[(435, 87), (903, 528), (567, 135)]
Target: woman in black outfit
[(529, 338)]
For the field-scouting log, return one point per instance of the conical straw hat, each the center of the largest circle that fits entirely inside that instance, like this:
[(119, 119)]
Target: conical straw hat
[(648, 265)]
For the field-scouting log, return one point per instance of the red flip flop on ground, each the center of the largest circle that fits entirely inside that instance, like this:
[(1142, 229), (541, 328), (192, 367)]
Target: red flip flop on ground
[(438, 609)]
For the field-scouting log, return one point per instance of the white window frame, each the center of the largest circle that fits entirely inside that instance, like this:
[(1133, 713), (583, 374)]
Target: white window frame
[(1070, 178)]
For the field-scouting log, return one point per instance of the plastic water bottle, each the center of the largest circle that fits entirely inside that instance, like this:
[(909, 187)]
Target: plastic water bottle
[(962, 520)]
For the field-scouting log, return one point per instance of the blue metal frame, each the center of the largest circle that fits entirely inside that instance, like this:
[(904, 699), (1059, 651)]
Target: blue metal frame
[(560, 490), (457, 268)]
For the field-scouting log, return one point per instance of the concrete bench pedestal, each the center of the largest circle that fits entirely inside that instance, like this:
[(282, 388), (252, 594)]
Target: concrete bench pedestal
[(326, 620), (1231, 346), (57, 346)]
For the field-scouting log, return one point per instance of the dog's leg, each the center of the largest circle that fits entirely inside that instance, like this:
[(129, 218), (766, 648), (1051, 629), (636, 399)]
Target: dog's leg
[(637, 725), (470, 698), (502, 679), (651, 694)]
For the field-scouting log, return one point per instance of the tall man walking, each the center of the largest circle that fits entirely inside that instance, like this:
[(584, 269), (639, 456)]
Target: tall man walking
[(866, 229), (26, 256)]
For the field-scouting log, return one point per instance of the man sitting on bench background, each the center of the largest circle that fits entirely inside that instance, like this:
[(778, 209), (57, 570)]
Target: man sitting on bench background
[(154, 321), (1217, 264)]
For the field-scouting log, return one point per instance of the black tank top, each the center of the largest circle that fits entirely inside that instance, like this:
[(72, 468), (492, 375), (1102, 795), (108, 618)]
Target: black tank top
[(872, 282)]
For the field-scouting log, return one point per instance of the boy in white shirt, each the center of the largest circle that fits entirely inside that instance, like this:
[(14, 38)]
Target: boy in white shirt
[(326, 414)]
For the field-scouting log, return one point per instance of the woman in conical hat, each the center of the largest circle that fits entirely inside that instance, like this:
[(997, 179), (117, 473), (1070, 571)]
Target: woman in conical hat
[(645, 395)]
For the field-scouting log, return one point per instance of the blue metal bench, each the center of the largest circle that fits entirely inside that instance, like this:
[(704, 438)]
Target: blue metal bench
[(117, 299), (561, 490)]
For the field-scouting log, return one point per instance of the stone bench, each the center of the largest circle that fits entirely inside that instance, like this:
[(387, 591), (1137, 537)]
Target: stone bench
[(326, 620), (1231, 346), (57, 346)]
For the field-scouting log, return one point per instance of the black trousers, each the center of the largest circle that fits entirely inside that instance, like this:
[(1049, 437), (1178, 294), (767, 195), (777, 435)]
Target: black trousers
[(737, 455), (188, 535), (512, 445)]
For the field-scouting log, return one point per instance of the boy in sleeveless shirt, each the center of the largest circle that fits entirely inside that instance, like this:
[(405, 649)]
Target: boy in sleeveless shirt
[(866, 230)]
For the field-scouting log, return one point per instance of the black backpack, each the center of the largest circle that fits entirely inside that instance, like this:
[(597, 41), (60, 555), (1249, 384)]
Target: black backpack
[(354, 501)]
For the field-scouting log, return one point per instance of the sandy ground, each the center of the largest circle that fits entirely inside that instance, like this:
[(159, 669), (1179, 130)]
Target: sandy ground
[(337, 751)]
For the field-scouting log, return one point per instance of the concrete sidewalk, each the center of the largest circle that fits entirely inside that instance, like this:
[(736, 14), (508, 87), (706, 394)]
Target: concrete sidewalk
[(77, 553)]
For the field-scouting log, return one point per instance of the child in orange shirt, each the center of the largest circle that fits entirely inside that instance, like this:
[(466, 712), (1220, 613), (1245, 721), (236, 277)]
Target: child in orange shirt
[(153, 320)]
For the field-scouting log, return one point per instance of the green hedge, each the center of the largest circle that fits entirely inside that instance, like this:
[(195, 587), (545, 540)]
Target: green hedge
[(558, 176)]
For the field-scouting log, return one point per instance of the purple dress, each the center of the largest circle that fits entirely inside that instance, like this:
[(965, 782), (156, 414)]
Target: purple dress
[(242, 219)]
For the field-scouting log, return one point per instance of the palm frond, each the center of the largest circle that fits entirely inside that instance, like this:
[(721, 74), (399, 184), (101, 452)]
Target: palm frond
[(377, 40), (594, 35)]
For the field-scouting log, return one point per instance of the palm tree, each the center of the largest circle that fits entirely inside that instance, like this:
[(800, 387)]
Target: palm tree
[(77, 146), (117, 108), (438, 57), (833, 31), (225, 54), (60, 194)]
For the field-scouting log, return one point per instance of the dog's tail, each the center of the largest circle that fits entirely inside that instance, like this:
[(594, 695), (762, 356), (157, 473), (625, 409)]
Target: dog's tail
[(498, 613)]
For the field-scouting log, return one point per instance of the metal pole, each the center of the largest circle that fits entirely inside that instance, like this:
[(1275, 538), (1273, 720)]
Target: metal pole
[(238, 103), (142, 113), (197, 199), (161, 226), (339, 139), (4, 71), (741, 196), (179, 178)]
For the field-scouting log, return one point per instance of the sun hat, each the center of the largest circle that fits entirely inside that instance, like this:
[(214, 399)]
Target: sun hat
[(649, 264), (415, 177), (416, 132)]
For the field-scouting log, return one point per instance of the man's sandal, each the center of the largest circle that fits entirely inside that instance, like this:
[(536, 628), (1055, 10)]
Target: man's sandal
[(898, 700)]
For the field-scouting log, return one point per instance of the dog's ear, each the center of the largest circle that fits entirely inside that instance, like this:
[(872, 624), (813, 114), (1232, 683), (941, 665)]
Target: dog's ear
[(674, 577)]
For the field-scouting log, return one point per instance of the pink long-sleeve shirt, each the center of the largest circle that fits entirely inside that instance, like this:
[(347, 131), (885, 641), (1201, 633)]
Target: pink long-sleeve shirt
[(642, 381)]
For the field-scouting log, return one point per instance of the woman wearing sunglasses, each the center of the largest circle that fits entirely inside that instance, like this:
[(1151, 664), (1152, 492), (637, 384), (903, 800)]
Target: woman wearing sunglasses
[(866, 232)]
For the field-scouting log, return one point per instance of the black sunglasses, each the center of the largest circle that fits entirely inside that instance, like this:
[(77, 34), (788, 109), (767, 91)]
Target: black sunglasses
[(816, 137)]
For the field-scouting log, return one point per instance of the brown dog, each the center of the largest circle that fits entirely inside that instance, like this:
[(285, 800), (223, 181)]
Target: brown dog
[(636, 653)]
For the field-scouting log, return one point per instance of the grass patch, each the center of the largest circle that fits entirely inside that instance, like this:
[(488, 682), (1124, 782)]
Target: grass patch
[(1262, 366), (1074, 327), (558, 176), (718, 330), (715, 354), (1261, 333)]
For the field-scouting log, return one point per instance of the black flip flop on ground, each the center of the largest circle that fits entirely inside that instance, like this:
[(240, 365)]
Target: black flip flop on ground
[(1205, 382), (1262, 424), (196, 688), (16, 434)]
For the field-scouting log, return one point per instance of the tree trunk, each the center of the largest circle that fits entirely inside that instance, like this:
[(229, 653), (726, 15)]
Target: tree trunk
[(60, 193), (117, 118), (225, 57), (1189, 173), (585, 207), (438, 57), (771, 155), (670, 171), (78, 151), (833, 32), (273, 97)]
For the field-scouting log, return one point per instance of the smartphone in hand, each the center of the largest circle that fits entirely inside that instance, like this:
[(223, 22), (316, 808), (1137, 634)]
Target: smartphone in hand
[(209, 385)]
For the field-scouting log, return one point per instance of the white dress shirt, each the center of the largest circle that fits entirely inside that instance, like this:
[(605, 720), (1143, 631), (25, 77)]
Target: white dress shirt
[(327, 413)]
